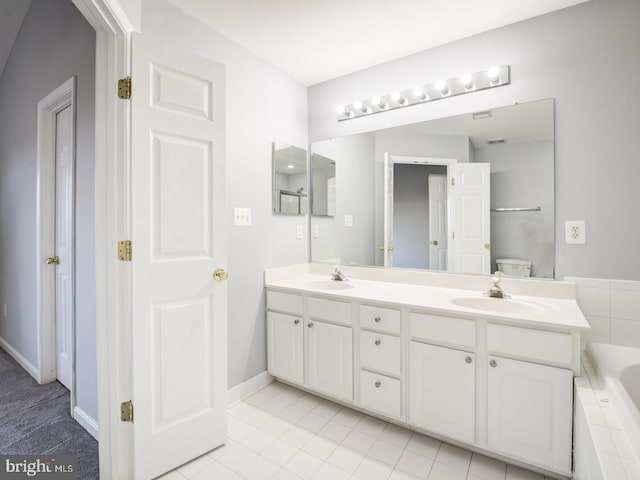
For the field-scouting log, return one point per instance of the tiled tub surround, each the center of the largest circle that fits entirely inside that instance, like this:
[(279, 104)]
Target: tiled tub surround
[(498, 382), (612, 308), (606, 429)]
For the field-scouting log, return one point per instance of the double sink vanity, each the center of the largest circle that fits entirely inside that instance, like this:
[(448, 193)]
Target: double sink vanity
[(428, 351)]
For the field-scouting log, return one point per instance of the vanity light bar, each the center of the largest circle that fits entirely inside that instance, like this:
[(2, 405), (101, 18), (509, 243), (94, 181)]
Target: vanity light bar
[(466, 83)]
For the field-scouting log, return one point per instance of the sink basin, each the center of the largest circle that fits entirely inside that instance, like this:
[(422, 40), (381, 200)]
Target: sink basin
[(330, 285), (498, 305)]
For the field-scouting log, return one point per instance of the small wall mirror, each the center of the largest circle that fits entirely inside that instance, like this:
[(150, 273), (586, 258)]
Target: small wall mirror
[(323, 176), (289, 179)]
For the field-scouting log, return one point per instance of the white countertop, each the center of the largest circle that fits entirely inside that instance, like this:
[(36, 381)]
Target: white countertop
[(542, 311)]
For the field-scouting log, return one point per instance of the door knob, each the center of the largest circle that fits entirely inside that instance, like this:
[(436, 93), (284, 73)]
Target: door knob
[(220, 274), (53, 260), (435, 242)]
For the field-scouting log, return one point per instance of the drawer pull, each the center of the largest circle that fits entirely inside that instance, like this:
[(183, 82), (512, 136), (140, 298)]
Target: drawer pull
[(468, 359), (493, 363), (377, 342), (377, 319), (377, 384), (296, 321), (309, 324)]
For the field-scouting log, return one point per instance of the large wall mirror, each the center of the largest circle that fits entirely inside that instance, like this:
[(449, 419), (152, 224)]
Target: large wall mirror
[(472, 193), (289, 179)]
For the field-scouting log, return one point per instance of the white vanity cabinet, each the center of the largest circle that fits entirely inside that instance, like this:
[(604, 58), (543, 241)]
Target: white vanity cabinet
[(500, 384), (530, 401), (310, 342), (380, 360), (442, 391)]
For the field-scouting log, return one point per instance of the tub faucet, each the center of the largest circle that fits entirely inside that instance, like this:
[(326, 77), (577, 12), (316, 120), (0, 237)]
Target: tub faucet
[(496, 289), (337, 275)]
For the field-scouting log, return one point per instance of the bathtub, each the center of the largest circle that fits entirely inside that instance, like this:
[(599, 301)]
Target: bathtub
[(618, 372), (607, 414)]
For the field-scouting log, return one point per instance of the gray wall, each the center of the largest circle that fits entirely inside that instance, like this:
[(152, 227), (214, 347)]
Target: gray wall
[(254, 120), (54, 43), (570, 55), (522, 176), (411, 214)]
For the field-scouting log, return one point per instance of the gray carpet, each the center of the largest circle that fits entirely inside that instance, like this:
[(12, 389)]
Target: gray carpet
[(35, 420)]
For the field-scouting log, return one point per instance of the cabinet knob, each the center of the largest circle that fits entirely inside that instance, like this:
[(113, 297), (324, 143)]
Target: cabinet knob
[(377, 342), (493, 363), (468, 359), (309, 324), (377, 319), (377, 384), (296, 321)]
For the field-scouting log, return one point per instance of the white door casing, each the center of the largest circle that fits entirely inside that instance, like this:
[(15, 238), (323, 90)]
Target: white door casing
[(179, 238), (438, 228), (469, 246), (64, 243), (55, 225)]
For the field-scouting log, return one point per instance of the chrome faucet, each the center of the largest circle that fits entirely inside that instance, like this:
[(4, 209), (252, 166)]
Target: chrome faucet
[(337, 275), (496, 290)]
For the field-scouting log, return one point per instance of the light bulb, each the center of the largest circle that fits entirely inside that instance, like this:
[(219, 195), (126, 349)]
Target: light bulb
[(420, 94), (467, 82), (398, 98), (357, 105), (379, 103), (442, 86), (494, 75), (340, 110), (291, 165), (361, 107)]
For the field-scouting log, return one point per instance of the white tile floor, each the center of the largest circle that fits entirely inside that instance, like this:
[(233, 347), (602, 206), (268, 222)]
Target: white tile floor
[(282, 433)]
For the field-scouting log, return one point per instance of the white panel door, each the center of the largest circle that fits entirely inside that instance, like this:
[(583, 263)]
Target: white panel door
[(64, 246), (330, 359), (529, 415), (438, 225), (442, 391), (285, 346), (179, 238), (470, 214)]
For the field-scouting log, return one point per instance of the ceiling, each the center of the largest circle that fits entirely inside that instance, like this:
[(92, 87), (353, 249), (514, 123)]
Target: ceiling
[(12, 13), (315, 41)]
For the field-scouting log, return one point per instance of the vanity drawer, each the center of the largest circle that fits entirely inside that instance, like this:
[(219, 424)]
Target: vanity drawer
[(379, 318), (530, 344), (380, 393), (380, 352), (433, 328), (331, 310), (284, 302)]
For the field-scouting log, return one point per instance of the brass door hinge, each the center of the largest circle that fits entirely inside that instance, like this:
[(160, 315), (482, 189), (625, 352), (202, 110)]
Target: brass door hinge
[(124, 88), (125, 251), (453, 182), (126, 411)]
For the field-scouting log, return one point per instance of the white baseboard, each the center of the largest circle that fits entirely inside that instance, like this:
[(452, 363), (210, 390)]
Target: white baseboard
[(23, 362), (248, 387), (86, 421)]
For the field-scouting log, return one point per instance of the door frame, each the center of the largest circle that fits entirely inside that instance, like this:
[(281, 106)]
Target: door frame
[(59, 99), (431, 176), (389, 161), (112, 224)]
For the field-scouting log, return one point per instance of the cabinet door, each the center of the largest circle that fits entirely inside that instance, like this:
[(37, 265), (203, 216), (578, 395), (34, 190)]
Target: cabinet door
[(530, 412), (285, 355), (330, 359), (442, 391)]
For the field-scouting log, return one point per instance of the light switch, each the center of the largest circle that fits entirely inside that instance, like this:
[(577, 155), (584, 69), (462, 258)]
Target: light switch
[(316, 231), (299, 232), (348, 220), (242, 217)]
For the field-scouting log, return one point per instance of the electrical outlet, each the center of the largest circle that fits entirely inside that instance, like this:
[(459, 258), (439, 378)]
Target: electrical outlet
[(242, 217), (316, 231), (299, 232), (575, 232), (348, 221)]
